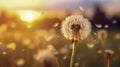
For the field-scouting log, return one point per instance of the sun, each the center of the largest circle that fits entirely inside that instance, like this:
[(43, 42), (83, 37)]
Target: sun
[(29, 16)]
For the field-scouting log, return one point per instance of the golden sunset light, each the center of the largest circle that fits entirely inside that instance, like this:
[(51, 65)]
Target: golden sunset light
[(59, 33), (29, 16)]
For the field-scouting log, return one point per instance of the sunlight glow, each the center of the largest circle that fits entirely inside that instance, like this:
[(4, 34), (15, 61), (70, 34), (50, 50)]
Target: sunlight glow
[(29, 16)]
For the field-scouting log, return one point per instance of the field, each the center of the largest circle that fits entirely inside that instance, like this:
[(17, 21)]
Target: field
[(17, 48)]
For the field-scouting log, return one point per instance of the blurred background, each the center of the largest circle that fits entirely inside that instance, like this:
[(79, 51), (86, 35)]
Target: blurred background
[(25, 23)]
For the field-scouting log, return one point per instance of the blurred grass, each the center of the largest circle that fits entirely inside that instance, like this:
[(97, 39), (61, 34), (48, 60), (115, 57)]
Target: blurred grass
[(86, 57)]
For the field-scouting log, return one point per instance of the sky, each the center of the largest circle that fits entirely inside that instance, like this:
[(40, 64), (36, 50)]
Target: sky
[(110, 6), (30, 3), (12, 4)]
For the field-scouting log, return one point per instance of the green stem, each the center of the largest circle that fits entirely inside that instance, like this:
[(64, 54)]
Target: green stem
[(73, 53), (103, 51)]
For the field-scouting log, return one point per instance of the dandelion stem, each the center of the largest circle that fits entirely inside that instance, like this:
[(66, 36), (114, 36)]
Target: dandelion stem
[(103, 50), (108, 63), (56, 59), (73, 53)]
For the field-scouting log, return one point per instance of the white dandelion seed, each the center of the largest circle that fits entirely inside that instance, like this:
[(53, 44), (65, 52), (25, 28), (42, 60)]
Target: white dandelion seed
[(98, 25), (80, 23)]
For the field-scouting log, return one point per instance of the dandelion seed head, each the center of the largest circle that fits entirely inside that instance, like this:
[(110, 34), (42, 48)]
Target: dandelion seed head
[(109, 51), (85, 26), (42, 55)]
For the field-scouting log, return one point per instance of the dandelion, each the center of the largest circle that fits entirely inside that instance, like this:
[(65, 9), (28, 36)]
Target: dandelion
[(45, 57), (75, 28), (109, 59), (102, 36), (102, 33), (42, 55), (109, 51)]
